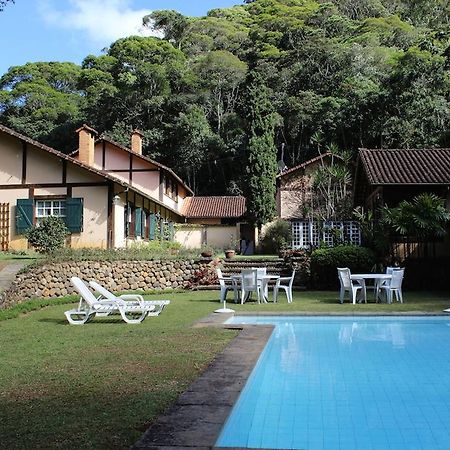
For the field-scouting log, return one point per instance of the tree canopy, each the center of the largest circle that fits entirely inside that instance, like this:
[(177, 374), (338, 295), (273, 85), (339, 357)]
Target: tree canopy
[(361, 73)]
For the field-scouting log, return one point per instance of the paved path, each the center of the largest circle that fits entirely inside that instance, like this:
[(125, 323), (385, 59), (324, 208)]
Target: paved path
[(8, 274)]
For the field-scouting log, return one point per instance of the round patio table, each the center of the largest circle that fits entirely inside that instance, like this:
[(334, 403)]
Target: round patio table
[(377, 277)]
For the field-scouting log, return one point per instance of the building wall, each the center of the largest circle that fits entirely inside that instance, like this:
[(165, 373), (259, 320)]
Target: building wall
[(190, 237), (145, 176), (194, 236), (44, 168), (16, 242), (95, 217), (294, 192), (11, 154)]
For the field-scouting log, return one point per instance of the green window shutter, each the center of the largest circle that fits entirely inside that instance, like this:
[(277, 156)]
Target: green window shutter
[(152, 227), (138, 222), (74, 214), (24, 214), (171, 231)]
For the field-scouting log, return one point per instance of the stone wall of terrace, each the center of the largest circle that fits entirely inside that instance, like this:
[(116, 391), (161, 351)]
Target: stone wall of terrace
[(53, 280)]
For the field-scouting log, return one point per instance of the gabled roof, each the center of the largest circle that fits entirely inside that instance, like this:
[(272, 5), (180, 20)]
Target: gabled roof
[(213, 207), (307, 163), (406, 166), (144, 158), (74, 161)]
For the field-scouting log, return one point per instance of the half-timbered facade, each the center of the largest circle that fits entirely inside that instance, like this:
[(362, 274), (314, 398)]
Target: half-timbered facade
[(102, 201)]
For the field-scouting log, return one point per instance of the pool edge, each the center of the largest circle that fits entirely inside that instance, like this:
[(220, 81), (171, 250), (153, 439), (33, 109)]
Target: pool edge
[(197, 417)]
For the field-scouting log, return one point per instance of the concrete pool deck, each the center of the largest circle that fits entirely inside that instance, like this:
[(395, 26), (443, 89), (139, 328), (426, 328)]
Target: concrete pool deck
[(198, 416), (196, 419)]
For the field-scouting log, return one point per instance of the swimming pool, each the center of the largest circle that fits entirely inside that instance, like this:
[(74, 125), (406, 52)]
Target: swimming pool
[(346, 383)]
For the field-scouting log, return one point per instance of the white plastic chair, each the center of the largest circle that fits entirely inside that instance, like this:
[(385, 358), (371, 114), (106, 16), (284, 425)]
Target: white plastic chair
[(89, 307), (284, 283), (227, 284), (159, 305), (260, 273), (249, 284), (394, 285), (381, 282), (352, 286)]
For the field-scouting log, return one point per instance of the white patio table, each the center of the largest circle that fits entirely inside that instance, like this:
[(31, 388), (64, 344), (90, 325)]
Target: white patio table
[(371, 276), (263, 282)]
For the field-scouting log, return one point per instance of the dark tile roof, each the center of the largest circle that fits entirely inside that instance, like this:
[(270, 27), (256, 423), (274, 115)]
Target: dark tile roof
[(406, 166), (213, 207), (306, 163)]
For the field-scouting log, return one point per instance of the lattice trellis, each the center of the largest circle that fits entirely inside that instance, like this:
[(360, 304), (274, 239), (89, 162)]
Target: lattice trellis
[(4, 227)]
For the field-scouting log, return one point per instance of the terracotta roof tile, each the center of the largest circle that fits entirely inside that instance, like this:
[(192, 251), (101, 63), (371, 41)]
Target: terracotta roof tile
[(307, 163), (406, 166), (212, 207), (74, 161)]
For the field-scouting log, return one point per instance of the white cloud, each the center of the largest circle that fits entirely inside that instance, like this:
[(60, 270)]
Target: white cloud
[(101, 21)]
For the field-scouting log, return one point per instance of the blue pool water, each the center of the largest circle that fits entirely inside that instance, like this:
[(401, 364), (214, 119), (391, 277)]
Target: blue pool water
[(325, 383)]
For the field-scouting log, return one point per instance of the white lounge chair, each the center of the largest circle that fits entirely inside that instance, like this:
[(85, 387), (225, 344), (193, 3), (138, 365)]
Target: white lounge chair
[(89, 307), (136, 299)]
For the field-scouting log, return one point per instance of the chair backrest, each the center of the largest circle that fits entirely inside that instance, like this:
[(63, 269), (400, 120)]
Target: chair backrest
[(220, 277), (390, 270), (344, 277), (261, 271), (249, 279), (101, 290), (291, 281), (397, 278), (83, 290)]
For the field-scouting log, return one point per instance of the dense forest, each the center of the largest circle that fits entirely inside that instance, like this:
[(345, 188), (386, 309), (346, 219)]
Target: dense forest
[(346, 73)]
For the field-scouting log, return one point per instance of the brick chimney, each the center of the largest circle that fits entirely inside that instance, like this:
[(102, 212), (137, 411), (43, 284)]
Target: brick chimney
[(86, 140), (136, 141)]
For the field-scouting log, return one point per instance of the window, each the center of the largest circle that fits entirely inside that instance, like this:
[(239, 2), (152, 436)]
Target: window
[(30, 211), (308, 233), (46, 208), (171, 188)]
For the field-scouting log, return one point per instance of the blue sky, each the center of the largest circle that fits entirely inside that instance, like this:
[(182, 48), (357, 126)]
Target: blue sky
[(69, 30)]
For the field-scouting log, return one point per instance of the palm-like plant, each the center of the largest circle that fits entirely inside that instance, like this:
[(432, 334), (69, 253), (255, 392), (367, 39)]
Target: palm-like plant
[(424, 218)]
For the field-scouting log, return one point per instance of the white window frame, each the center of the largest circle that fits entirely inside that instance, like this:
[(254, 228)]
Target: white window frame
[(50, 207), (312, 233)]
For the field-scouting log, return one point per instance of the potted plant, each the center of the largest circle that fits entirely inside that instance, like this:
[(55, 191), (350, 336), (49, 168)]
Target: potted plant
[(229, 253), (231, 250), (206, 251)]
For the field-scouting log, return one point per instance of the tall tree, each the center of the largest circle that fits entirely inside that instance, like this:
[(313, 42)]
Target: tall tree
[(262, 155), (4, 2), (43, 101)]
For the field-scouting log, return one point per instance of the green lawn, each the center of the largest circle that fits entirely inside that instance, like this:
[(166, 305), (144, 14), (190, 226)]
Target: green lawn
[(101, 384), (14, 256)]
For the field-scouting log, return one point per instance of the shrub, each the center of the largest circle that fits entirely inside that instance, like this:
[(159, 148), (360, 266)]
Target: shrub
[(143, 251), (206, 276), (48, 235), (277, 236), (325, 261)]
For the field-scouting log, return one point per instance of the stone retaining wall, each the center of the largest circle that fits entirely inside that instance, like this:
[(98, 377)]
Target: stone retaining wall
[(52, 280)]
